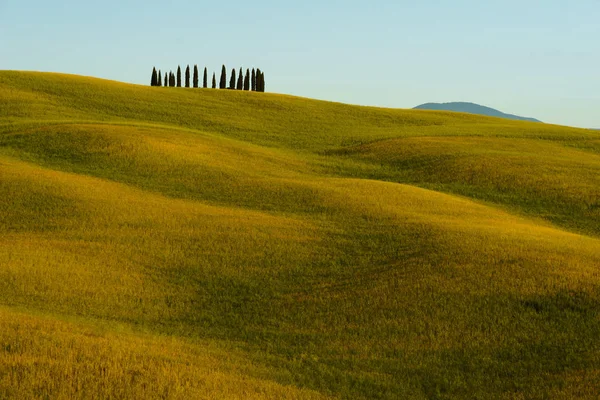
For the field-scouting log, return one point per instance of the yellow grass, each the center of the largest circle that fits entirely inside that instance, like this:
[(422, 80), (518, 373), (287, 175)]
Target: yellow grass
[(163, 243), (42, 356)]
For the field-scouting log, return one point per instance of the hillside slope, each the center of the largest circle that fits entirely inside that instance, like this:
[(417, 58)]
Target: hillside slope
[(189, 243), (472, 108)]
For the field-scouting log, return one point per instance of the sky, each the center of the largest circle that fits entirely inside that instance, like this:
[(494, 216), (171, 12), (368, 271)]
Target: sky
[(533, 58)]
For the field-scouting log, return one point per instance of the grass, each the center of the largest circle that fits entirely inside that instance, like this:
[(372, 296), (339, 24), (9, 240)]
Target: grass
[(173, 243)]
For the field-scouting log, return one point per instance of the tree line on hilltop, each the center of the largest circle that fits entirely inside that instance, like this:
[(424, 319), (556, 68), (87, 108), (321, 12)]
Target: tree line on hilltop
[(253, 80)]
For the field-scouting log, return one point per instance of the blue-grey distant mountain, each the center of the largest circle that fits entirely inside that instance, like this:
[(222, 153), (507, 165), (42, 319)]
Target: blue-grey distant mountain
[(472, 108)]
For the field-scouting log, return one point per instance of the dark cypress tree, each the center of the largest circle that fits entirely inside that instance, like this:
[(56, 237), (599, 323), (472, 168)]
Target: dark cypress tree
[(232, 80), (172, 80), (253, 80), (159, 82), (187, 77), (258, 79), (223, 81), (240, 82), (178, 76), (261, 84), (154, 78), (214, 82), (166, 81), (196, 76), (247, 80), (205, 80)]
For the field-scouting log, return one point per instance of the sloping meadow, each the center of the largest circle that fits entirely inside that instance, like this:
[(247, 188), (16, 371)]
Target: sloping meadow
[(190, 243)]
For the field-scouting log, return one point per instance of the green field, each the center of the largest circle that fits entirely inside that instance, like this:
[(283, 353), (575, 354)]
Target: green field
[(197, 243)]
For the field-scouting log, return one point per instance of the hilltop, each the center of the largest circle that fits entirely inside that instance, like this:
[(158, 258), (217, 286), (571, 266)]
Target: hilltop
[(195, 243), (472, 108)]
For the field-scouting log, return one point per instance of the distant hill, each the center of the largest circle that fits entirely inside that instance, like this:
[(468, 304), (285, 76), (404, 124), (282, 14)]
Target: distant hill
[(472, 108)]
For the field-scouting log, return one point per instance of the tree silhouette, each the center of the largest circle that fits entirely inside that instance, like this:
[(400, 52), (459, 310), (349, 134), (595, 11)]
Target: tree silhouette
[(259, 85), (205, 79), (232, 80), (187, 77), (159, 82), (247, 80), (223, 81), (240, 82), (166, 81), (214, 82), (178, 76), (196, 77), (154, 79), (253, 80), (195, 81), (260, 81), (172, 83)]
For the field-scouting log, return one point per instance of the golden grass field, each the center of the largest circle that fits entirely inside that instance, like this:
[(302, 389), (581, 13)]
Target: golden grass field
[(212, 244)]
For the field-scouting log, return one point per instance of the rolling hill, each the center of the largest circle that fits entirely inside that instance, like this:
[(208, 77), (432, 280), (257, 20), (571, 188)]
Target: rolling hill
[(190, 243), (472, 108)]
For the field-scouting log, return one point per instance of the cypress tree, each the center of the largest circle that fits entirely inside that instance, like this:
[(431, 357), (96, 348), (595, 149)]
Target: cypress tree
[(214, 82), (247, 80), (223, 81), (172, 79), (187, 77), (178, 76), (166, 81), (240, 82), (205, 80), (232, 80), (253, 80), (261, 82), (159, 82), (154, 79), (258, 72), (196, 76)]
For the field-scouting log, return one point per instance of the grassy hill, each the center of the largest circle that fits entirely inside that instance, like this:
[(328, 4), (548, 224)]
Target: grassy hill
[(189, 243)]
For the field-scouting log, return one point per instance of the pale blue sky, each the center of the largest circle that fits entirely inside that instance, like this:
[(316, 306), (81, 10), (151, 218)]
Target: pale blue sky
[(534, 58)]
